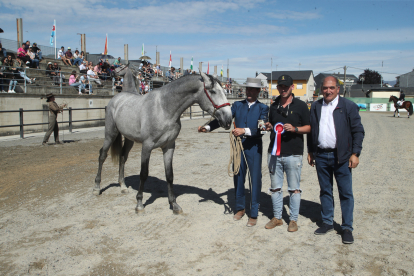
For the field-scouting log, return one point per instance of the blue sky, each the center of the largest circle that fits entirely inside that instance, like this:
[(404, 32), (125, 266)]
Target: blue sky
[(318, 35)]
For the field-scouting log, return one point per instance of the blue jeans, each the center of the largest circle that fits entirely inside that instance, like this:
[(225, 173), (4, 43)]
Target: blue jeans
[(326, 167), (12, 83), (77, 61), (35, 63), (292, 166), (77, 84), (39, 55)]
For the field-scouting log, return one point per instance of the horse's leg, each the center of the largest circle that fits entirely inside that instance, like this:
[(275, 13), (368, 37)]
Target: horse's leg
[(103, 153), (169, 175), (398, 112), (128, 144), (145, 157)]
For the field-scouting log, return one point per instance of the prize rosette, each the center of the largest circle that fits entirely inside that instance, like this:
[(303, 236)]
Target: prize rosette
[(279, 130)]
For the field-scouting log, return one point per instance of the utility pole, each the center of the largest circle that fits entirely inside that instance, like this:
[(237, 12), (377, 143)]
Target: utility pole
[(345, 81), (19, 23)]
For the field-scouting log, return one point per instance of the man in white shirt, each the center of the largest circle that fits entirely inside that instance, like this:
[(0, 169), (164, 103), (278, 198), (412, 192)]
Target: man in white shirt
[(92, 77), (334, 144)]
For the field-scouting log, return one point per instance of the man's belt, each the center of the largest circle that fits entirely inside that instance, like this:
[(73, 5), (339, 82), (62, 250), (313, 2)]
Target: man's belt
[(326, 150)]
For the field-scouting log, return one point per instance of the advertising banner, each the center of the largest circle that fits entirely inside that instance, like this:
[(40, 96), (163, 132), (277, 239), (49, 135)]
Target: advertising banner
[(378, 107)]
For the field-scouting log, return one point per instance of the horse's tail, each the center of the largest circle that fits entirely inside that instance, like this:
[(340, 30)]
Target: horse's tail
[(116, 149), (410, 109)]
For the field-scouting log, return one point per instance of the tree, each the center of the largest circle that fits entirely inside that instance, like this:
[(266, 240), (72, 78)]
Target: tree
[(371, 77)]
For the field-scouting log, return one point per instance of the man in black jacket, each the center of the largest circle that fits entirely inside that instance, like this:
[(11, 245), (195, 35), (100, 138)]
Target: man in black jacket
[(335, 144)]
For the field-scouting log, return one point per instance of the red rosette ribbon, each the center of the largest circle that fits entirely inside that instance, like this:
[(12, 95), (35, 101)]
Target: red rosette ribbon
[(279, 130)]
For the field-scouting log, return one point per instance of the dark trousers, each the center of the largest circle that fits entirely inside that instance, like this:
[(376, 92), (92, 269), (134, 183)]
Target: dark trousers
[(326, 167), (253, 150), (53, 127)]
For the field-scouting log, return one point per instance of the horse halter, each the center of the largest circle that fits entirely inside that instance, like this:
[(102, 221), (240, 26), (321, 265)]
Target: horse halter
[(216, 107)]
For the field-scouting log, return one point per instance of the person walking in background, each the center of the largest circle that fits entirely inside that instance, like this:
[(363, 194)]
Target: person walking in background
[(334, 145), (246, 114), (54, 109), (290, 117)]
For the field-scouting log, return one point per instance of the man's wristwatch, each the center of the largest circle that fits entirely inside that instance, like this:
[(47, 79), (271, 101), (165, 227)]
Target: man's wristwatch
[(296, 129)]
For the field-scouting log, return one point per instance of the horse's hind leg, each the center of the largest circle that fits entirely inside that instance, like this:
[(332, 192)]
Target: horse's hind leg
[(128, 144), (169, 175), (145, 157), (103, 153)]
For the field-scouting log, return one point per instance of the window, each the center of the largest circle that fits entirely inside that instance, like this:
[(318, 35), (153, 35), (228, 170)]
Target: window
[(274, 86), (299, 86)]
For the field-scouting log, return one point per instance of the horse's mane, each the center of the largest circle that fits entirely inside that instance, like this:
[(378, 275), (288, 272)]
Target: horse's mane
[(212, 79)]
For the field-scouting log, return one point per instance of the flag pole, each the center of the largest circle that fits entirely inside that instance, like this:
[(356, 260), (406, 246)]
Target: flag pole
[(55, 38)]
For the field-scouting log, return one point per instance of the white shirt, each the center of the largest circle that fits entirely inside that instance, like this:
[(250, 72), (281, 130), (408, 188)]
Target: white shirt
[(60, 53), (327, 133), (82, 67), (91, 74), (247, 131)]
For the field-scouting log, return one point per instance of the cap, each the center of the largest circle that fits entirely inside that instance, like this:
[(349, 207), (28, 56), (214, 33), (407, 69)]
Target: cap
[(285, 80), (49, 63), (68, 48), (34, 43)]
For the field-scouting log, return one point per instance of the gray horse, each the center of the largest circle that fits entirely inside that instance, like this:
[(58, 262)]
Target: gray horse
[(153, 119)]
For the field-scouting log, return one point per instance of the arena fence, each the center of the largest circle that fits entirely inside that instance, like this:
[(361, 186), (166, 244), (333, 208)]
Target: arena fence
[(192, 112)]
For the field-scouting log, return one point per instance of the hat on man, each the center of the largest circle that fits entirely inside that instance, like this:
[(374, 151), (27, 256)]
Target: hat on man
[(34, 44), (285, 80), (68, 48), (253, 82), (49, 63), (49, 96)]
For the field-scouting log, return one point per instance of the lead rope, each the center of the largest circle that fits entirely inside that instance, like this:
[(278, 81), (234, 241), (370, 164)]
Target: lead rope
[(236, 150)]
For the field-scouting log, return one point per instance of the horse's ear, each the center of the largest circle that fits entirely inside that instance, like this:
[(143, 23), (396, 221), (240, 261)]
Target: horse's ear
[(206, 79)]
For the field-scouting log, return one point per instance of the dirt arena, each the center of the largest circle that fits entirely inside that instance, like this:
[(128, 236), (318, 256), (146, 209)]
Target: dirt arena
[(52, 224)]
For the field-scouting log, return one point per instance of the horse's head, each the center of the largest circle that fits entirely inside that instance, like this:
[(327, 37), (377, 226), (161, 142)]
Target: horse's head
[(392, 98), (214, 101)]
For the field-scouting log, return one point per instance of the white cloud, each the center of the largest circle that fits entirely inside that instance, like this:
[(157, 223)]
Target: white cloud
[(293, 15)]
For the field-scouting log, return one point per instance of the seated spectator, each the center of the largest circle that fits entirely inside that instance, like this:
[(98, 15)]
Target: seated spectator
[(73, 81), (59, 77), (34, 61), (68, 57), (118, 84), (3, 50), (37, 51), (84, 87), (11, 73), (92, 77), (61, 53), (142, 87), (82, 68), (23, 55), (117, 62), (50, 71), (78, 58)]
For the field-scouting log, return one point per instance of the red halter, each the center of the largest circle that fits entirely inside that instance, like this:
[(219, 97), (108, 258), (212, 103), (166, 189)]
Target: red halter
[(214, 105)]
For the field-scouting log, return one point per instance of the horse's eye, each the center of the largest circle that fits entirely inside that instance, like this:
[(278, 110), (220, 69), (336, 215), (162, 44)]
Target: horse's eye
[(212, 92)]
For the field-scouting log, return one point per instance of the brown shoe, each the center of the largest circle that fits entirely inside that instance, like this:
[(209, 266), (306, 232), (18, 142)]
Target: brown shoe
[(293, 227), (273, 223), (59, 143), (251, 222), (239, 214)]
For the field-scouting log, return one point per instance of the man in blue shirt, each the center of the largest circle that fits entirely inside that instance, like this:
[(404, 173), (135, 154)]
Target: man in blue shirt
[(246, 114)]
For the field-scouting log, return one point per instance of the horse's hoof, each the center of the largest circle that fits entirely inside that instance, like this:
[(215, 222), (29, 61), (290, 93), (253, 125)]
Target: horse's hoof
[(178, 212), (124, 191), (139, 211), (96, 192)]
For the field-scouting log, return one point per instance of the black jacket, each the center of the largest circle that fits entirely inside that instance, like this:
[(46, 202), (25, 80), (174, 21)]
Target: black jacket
[(349, 130)]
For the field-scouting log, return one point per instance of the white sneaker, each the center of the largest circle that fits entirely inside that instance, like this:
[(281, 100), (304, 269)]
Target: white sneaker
[(12, 91), (9, 91)]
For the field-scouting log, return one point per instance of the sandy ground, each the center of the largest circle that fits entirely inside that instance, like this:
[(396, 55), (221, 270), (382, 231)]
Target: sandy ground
[(52, 224)]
